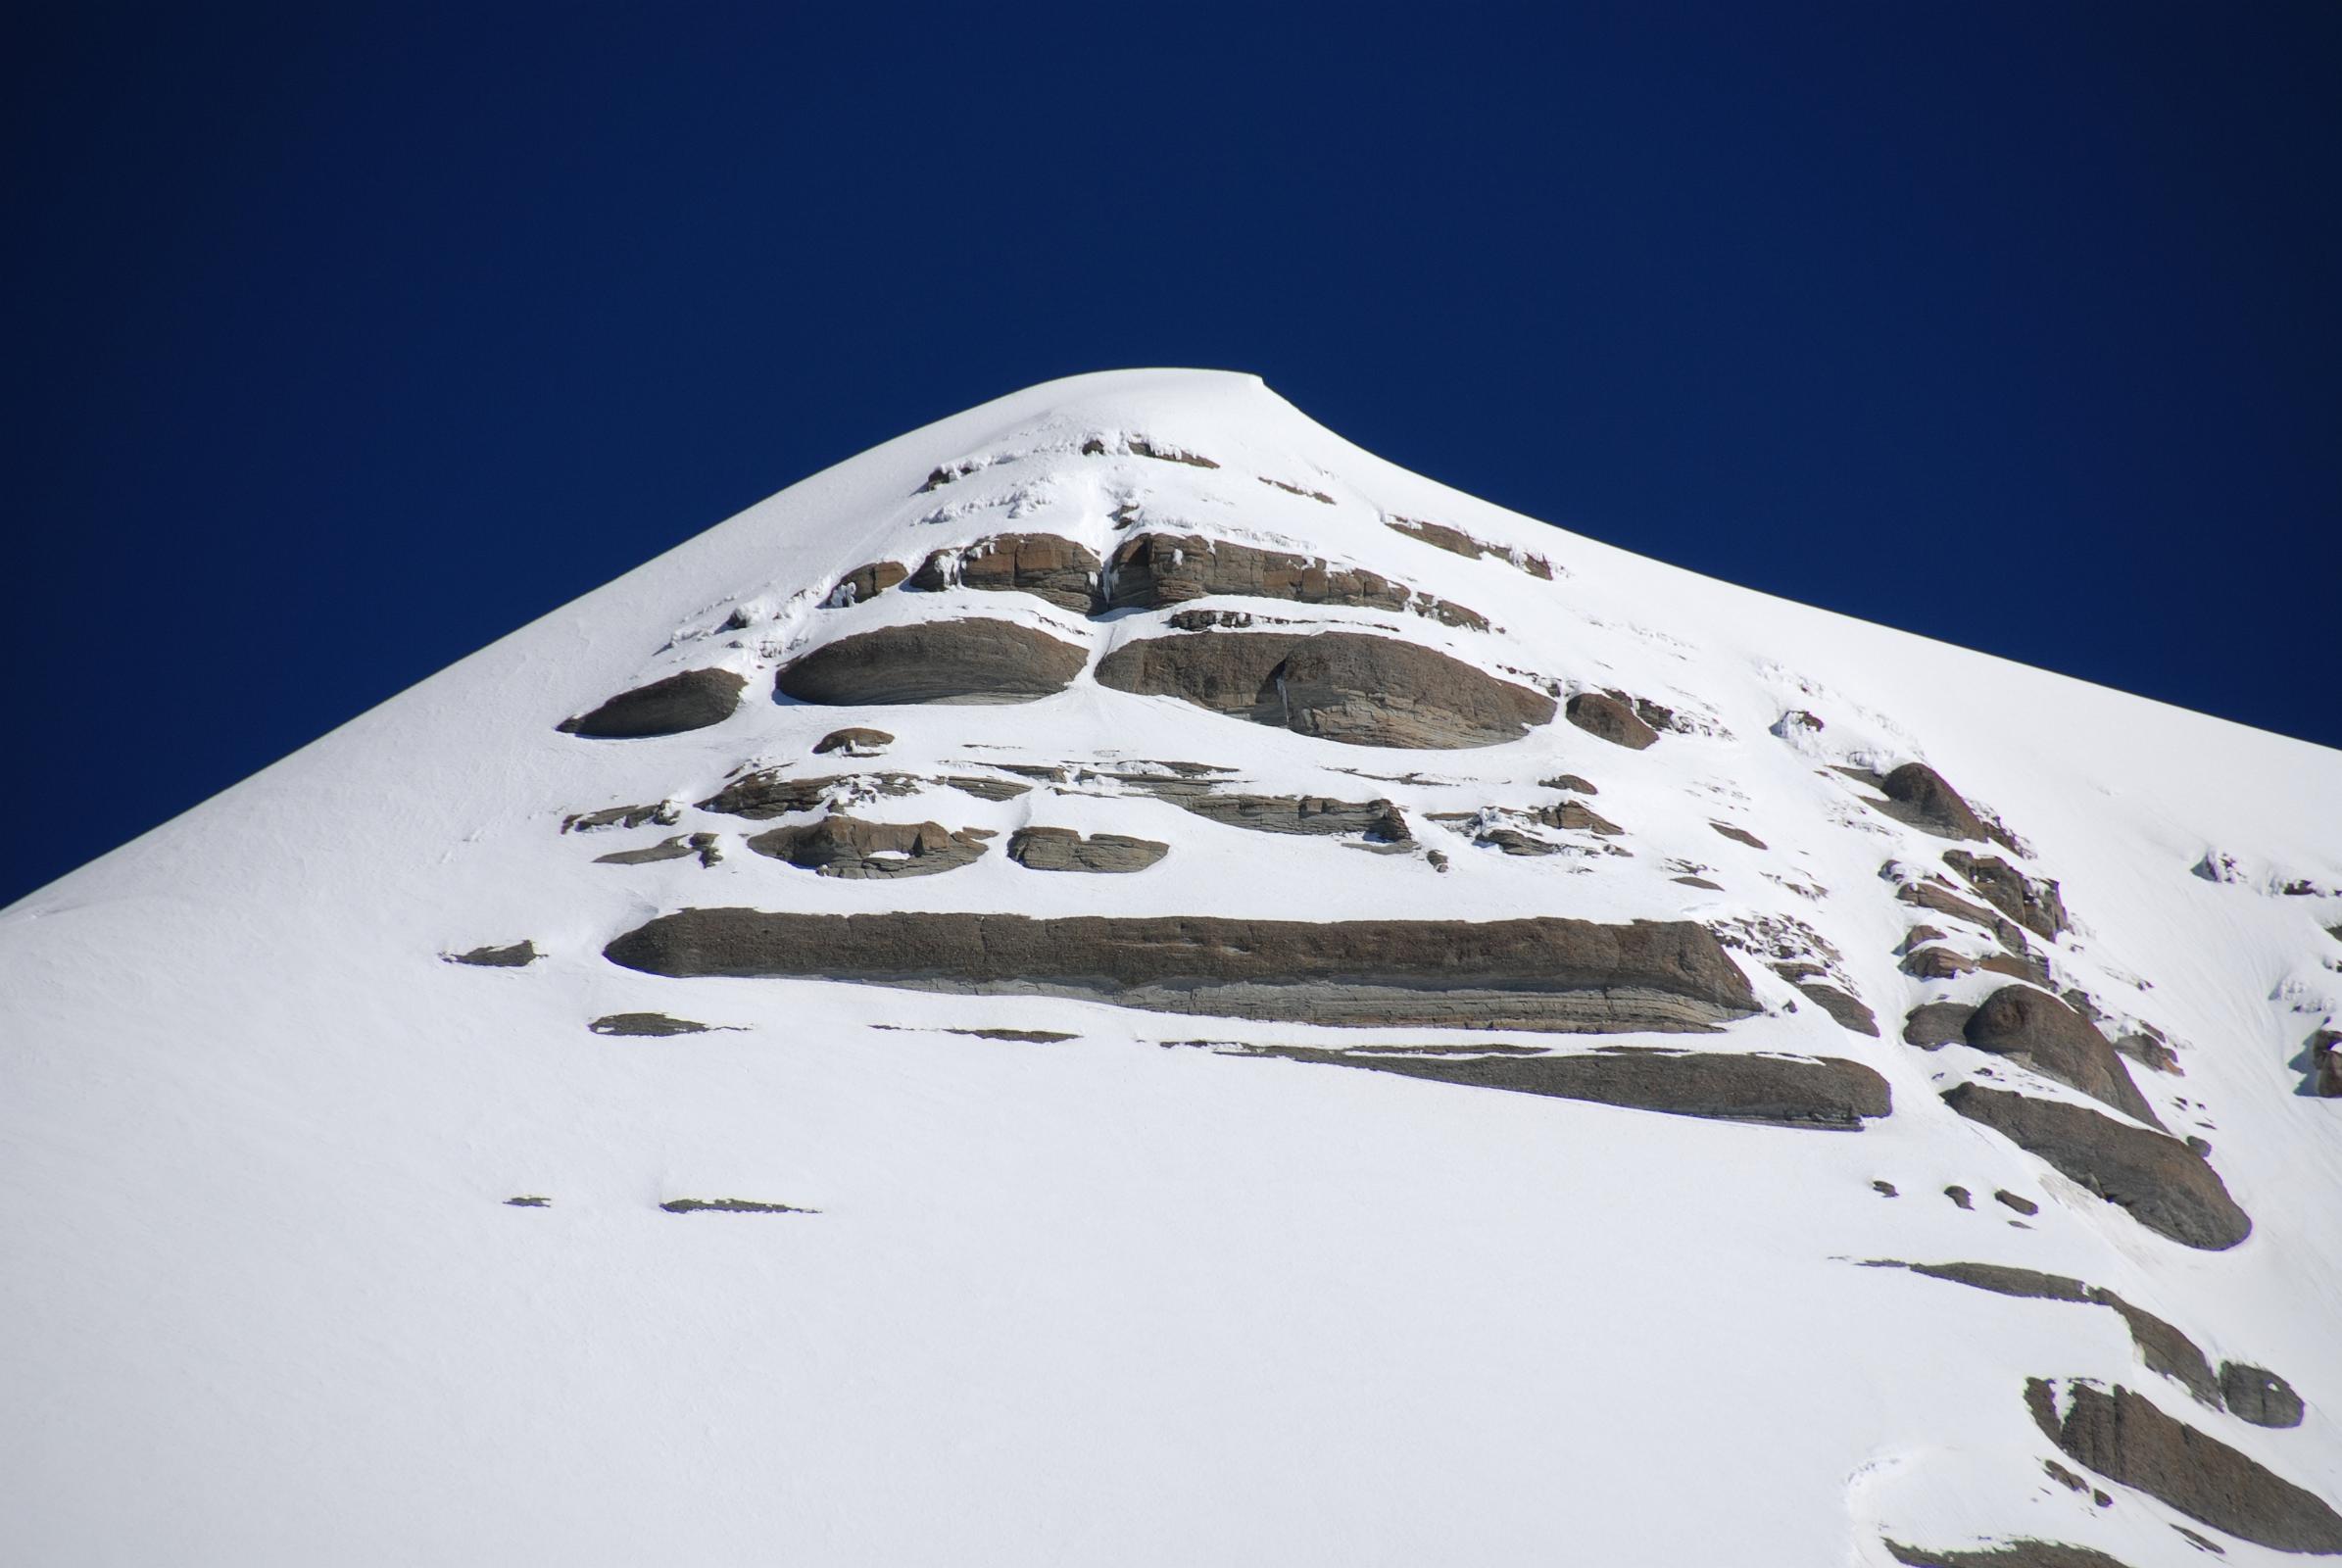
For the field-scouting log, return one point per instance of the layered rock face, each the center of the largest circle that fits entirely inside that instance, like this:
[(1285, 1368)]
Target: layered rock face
[(1067, 1035), (1338, 686), (1541, 975)]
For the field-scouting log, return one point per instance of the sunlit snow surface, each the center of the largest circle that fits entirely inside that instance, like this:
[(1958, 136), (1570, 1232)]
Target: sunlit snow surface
[(1110, 1299)]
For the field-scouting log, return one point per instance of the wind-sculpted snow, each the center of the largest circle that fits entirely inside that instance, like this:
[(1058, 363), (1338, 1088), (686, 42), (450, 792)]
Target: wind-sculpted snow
[(1130, 1042)]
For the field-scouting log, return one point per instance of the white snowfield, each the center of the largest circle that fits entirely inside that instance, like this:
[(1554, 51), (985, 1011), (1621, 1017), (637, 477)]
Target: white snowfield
[(1136, 1296)]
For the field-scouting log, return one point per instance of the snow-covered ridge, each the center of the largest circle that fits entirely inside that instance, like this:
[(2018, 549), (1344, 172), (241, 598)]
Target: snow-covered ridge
[(1132, 712)]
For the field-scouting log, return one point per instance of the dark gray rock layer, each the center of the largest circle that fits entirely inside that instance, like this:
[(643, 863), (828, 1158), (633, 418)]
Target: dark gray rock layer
[(1918, 795), (974, 660), (1061, 849), (1825, 1093), (1341, 686), (655, 1025), (1610, 719), (1532, 974), (848, 847), (2259, 1396), (2155, 1178), (2041, 1032), (2129, 1439), (692, 700), (2024, 1553), (517, 957)]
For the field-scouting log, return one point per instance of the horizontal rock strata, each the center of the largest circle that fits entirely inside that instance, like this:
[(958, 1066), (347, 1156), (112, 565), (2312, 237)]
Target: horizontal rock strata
[(1532, 974), (1339, 686), (777, 792), (2129, 1439), (974, 660), (1158, 570), (693, 700), (2155, 1177), (1061, 849), (2162, 1347), (1826, 1093)]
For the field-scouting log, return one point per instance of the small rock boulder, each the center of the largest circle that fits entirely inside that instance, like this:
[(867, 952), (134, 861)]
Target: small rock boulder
[(518, 956), (2257, 1394), (1935, 1024), (854, 742), (1610, 719), (692, 700), (1918, 795)]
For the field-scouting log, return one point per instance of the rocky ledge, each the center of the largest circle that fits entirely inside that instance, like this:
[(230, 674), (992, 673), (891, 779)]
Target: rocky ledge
[(1157, 570), (1341, 686), (1827, 1091), (2162, 1181), (1547, 975)]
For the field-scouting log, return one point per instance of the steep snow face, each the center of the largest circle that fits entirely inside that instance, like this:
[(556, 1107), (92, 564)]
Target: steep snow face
[(1118, 980)]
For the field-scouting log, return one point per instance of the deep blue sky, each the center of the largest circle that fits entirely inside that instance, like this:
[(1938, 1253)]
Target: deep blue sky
[(342, 345)]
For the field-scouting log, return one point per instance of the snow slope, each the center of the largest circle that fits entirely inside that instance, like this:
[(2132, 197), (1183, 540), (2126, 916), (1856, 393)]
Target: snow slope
[(1117, 1298)]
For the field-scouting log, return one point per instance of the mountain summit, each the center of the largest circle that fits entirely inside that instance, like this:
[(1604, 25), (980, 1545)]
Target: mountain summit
[(1118, 980)]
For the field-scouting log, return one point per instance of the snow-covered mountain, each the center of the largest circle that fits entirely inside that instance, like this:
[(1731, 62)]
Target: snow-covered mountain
[(1117, 980)]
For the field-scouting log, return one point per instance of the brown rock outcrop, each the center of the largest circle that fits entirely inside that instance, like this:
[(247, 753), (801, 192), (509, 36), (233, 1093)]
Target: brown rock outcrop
[(853, 741), (1916, 794), (1932, 1024), (1339, 686), (1157, 570), (774, 792), (692, 700), (2035, 905), (519, 955), (1061, 849), (935, 661), (2153, 1176), (1295, 813), (848, 847), (1060, 570), (866, 582), (650, 1025), (1459, 543), (1532, 974), (1610, 719), (2039, 1031), (2129, 1439), (1848, 1010), (1826, 1093)]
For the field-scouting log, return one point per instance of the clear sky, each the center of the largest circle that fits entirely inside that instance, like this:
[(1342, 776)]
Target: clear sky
[(345, 339)]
